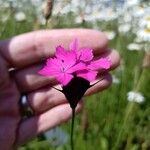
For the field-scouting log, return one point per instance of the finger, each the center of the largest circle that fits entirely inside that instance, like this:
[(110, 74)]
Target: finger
[(28, 79), (113, 56), (47, 98), (39, 124), (33, 47)]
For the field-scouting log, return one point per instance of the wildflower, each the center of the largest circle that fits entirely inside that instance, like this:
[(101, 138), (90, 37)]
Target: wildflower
[(62, 66), (137, 97), (144, 34), (74, 70), (145, 21), (20, 16), (134, 46), (131, 3), (138, 11), (124, 28)]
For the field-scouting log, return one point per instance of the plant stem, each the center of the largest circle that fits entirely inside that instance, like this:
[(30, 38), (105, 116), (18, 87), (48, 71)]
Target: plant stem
[(72, 129)]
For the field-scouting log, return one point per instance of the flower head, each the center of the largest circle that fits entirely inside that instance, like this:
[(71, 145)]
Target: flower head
[(62, 66), (144, 34), (75, 62), (74, 69), (137, 97), (20, 16)]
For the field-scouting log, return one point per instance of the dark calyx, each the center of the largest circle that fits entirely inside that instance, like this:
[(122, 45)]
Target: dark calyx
[(75, 90)]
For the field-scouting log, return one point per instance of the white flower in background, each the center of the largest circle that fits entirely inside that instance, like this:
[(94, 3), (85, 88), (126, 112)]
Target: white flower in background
[(20, 16), (145, 22), (138, 11), (137, 97), (57, 136), (110, 34), (115, 80), (144, 34), (134, 47), (131, 3), (124, 28)]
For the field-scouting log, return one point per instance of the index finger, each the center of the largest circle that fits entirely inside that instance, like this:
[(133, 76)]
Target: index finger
[(33, 47)]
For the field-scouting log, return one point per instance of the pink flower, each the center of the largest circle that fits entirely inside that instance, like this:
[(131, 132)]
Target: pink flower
[(92, 66), (83, 54), (75, 62)]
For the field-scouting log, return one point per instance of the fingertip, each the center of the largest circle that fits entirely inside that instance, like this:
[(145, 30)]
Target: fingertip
[(116, 57)]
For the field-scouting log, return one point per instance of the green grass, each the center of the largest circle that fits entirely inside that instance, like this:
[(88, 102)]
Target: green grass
[(114, 123)]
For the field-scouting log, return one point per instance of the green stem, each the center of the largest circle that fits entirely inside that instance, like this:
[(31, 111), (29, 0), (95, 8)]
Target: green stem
[(72, 129)]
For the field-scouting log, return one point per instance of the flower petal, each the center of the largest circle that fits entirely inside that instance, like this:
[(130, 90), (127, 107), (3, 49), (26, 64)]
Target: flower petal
[(77, 67), (74, 45), (64, 78), (53, 62), (102, 63), (87, 74), (69, 60), (48, 72), (52, 68), (60, 52), (85, 54)]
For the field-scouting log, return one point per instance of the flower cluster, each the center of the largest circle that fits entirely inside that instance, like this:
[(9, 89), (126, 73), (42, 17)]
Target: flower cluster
[(137, 97), (74, 62)]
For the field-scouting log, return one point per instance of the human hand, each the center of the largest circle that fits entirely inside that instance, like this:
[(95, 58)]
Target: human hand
[(25, 54)]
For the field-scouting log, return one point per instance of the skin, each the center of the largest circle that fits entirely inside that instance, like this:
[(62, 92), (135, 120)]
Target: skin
[(25, 54)]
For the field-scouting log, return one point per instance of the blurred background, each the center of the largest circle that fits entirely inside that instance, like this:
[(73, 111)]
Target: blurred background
[(116, 119)]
